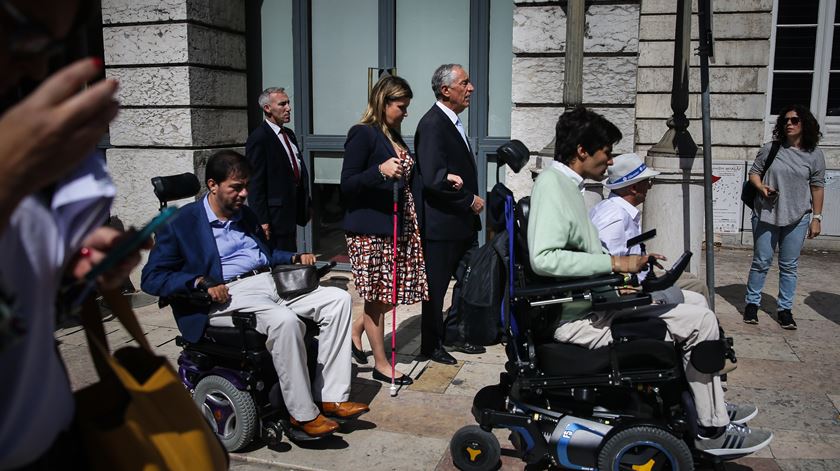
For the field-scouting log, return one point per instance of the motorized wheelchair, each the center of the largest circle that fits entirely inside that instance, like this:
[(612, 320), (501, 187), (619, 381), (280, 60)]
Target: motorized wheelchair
[(624, 406), (229, 371)]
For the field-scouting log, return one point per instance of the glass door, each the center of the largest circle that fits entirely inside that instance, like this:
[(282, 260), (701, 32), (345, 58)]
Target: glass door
[(324, 56)]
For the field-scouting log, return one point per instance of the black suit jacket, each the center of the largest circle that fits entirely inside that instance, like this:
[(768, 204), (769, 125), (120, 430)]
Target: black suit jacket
[(272, 192), (368, 198), (446, 213)]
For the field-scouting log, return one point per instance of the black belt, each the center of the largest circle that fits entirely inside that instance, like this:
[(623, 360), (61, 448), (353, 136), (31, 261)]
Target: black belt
[(255, 271)]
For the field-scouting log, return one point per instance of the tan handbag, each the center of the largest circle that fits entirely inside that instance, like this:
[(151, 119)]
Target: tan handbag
[(139, 416)]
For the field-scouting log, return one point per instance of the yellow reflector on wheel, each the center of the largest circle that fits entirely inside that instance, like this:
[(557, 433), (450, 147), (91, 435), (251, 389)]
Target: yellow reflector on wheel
[(473, 453), (644, 467)]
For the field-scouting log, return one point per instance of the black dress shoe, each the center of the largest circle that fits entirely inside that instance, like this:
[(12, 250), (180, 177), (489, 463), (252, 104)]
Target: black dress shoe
[(358, 355), (403, 380), (441, 356), (468, 348)]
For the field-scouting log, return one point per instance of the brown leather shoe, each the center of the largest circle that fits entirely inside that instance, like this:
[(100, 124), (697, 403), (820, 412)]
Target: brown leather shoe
[(317, 427), (343, 410)]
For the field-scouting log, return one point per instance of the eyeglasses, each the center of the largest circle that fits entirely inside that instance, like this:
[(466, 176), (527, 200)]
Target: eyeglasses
[(794, 120), (29, 38)]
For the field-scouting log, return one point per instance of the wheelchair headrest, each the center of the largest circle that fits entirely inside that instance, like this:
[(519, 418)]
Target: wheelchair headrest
[(175, 187), (514, 154)]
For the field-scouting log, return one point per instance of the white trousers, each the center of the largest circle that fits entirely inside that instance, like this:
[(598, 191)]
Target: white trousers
[(277, 318), (686, 323)]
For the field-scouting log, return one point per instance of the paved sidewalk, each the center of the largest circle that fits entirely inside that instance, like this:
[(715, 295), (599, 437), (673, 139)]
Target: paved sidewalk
[(792, 376)]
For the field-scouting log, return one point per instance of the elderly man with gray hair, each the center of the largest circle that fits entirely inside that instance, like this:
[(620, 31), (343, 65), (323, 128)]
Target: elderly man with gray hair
[(449, 218), (278, 189)]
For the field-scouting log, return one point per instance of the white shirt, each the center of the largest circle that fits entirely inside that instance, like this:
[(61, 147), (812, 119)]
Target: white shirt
[(293, 152), (617, 222), (456, 121), (565, 170), (36, 245)]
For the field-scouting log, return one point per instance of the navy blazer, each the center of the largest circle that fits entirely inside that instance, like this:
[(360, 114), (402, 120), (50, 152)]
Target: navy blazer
[(184, 250), (272, 192), (447, 213), (368, 198)]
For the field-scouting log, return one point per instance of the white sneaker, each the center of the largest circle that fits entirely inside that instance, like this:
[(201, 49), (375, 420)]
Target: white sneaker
[(735, 440), (740, 414)]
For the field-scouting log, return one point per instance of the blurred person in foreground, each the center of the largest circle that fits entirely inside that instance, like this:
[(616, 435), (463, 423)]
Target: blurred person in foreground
[(55, 198)]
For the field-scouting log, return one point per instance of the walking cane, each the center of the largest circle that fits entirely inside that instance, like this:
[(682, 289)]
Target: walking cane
[(394, 297)]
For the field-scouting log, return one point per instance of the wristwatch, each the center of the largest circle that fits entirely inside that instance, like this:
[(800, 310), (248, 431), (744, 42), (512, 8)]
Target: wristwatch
[(818, 217)]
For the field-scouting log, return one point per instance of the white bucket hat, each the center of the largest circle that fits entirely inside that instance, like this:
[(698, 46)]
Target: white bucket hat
[(626, 170)]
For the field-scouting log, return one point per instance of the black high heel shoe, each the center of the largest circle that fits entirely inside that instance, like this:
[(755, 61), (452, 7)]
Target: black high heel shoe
[(359, 355)]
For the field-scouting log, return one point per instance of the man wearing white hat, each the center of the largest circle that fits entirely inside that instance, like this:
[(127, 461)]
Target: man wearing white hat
[(618, 219)]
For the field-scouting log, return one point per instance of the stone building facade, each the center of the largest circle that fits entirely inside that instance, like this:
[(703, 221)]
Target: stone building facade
[(183, 74), (628, 60)]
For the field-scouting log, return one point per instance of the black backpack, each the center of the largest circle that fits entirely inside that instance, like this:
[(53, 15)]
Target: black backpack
[(482, 292)]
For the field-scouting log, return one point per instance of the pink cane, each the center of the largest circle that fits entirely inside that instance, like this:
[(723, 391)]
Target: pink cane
[(394, 298)]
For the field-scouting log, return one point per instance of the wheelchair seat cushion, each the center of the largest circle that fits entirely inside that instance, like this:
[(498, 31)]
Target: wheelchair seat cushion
[(563, 359), (232, 337)]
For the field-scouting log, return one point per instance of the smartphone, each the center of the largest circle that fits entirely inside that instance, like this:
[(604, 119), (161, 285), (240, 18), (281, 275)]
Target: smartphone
[(131, 244)]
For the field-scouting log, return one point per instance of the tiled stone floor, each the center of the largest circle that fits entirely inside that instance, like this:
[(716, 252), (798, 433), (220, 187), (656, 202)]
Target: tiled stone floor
[(792, 376)]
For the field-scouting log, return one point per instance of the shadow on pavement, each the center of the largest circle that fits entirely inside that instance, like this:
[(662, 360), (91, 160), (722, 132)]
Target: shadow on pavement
[(407, 331), (734, 295), (825, 304)]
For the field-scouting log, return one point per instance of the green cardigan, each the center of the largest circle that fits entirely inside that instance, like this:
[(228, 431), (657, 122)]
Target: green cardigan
[(562, 242)]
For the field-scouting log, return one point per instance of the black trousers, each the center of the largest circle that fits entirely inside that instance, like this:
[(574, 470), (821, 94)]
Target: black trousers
[(443, 259)]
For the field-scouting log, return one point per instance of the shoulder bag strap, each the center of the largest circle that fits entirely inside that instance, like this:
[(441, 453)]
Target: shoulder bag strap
[(774, 149)]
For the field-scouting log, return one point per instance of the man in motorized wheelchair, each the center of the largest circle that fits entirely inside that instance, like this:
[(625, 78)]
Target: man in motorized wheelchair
[(596, 378), (562, 242), (216, 244)]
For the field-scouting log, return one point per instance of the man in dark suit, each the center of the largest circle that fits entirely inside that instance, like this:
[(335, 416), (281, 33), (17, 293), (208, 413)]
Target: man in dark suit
[(451, 205), (279, 187), (217, 244)]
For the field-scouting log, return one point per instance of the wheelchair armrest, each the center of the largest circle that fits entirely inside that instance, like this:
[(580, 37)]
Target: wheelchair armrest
[(659, 283), (324, 268), (602, 303), (196, 297), (550, 286)]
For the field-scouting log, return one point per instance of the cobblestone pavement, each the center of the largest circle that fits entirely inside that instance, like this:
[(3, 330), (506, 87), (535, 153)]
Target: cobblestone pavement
[(792, 376)]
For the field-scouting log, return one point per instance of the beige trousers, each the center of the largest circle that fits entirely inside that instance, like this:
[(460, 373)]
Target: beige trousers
[(686, 323), (278, 319)]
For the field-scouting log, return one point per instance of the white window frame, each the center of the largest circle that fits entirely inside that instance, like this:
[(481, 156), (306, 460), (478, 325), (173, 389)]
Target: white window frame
[(820, 74)]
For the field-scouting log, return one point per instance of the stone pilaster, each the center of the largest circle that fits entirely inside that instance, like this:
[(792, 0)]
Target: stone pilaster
[(181, 67), (609, 73)]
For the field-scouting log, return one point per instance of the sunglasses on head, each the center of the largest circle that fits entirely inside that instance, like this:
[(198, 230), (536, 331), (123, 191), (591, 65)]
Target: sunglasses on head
[(792, 120)]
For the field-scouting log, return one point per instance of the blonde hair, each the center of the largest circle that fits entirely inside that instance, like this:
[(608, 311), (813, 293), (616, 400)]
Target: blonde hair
[(387, 89)]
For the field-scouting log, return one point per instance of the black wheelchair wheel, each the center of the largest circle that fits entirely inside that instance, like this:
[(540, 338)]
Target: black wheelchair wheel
[(647, 448), (230, 412), (474, 449)]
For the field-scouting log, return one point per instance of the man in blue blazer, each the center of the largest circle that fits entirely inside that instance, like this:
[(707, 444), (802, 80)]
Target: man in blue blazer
[(278, 190), (451, 205), (217, 244)]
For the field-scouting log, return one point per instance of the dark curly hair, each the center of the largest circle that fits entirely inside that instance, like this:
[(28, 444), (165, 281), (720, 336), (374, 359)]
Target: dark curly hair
[(585, 128), (810, 127)]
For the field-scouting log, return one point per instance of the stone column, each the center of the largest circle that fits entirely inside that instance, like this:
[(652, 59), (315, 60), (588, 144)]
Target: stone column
[(181, 68), (674, 206)]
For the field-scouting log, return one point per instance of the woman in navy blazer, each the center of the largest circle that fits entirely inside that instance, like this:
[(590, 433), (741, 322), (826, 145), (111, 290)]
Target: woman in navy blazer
[(376, 159)]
